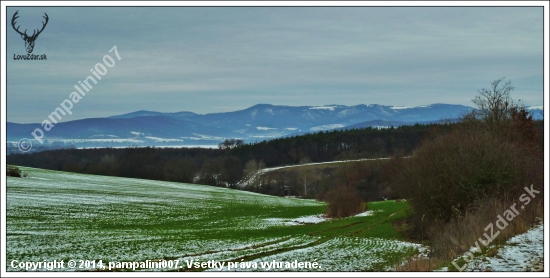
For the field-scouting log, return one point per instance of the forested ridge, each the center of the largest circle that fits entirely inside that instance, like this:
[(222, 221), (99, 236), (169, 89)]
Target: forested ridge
[(225, 166)]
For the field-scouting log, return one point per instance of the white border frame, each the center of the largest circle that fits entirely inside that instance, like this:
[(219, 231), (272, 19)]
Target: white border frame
[(3, 116)]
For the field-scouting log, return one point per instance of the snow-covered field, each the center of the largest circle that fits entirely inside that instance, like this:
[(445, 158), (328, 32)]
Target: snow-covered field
[(340, 254), (67, 216), (523, 252)]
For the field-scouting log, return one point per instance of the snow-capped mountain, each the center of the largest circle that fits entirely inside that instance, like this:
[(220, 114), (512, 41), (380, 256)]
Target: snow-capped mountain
[(262, 121)]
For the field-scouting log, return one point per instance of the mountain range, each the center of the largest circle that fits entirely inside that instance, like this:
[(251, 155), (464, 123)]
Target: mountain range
[(256, 123)]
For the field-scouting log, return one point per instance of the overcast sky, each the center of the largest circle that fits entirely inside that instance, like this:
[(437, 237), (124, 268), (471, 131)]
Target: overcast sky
[(221, 59)]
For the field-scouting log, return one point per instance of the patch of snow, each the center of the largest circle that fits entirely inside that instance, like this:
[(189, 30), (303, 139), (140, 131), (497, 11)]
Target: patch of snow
[(523, 252), (326, 127), (192, 146), (380, 126), (535, 107), (399, 107), (367, 213), (311, 219), (331, 108), (342, 254), (475, 249), (275, 219), (170, 146), (250, 178), (119, 140), (347, 112)]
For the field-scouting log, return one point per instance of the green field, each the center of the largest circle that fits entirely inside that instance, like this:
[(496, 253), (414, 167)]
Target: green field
[(65, 216)]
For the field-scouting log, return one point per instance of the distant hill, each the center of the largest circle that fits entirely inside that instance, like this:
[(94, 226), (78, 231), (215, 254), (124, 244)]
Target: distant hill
[(262, 121), (386, 124)]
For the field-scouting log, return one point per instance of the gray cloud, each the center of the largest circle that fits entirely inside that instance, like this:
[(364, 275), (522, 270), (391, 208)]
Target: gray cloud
[(227, 58)]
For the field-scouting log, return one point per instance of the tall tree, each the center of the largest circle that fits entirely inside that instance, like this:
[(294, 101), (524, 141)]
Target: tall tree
[(494, 104)]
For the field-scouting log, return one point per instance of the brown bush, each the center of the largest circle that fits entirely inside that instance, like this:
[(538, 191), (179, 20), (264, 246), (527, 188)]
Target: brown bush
[(13, 171), (451, 175), (366, 178), (522, 127), (343, 201)]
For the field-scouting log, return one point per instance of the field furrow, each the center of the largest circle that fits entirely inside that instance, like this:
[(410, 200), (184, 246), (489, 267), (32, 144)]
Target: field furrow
[(64, 216)]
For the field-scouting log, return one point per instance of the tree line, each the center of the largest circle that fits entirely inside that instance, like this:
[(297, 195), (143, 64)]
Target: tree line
[(226, 165)]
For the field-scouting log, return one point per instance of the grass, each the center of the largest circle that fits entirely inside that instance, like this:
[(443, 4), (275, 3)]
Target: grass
[(67, 216)]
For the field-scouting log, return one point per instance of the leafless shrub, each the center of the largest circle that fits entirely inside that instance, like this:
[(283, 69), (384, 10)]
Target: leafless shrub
[(343, 201)]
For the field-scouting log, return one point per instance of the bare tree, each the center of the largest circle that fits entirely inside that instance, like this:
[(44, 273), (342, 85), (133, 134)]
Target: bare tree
[(232, 171), (494, 104), (304, 173), (252, 174), (253, 166)]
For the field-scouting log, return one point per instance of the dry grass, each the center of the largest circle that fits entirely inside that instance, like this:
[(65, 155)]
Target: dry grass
[(415, 264), (492, 252), (451, 240), (458, 236)]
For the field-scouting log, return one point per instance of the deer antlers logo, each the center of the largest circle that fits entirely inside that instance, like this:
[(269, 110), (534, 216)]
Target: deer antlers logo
[(29, 40)]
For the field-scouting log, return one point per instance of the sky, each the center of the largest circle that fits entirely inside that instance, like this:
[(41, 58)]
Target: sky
[(219, 59)]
